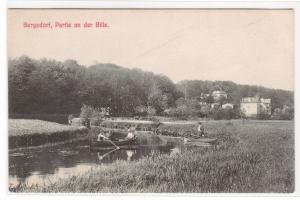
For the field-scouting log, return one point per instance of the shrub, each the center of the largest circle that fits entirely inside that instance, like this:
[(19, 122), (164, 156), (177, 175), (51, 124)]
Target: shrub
[(227, 113), (95, 115), (263, 116)]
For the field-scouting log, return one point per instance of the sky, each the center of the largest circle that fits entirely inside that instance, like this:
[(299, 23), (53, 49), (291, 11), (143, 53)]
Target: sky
[(254, 47)]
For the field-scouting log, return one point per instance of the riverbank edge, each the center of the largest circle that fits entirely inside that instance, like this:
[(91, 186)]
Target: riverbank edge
[(49, 145)]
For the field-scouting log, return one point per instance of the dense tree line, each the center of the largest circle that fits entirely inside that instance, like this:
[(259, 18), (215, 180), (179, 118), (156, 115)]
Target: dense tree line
[(50, 86)]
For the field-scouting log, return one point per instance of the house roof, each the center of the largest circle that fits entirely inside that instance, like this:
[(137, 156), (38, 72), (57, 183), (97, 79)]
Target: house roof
[(255, 100), (250, 100), (218, 92)]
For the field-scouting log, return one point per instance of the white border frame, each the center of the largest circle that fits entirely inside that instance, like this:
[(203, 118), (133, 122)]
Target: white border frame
[(143, 4), (150, 4)]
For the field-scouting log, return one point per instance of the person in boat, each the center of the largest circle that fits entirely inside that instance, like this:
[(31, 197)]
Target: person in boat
[(105, 136), (131, 133), (200, 130)]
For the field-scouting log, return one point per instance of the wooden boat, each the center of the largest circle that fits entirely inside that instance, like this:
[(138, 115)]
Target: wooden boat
[(198, 144), (200, 140), (192, 139), (119, 143)]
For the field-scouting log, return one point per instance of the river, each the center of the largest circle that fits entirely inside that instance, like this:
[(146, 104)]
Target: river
[(45, 166)]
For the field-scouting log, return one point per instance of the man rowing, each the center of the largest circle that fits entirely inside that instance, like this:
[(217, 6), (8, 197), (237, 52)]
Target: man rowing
[(105, 136)]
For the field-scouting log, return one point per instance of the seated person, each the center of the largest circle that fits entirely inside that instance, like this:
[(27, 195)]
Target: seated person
[(105, 136), (100, 137), (131, 133)]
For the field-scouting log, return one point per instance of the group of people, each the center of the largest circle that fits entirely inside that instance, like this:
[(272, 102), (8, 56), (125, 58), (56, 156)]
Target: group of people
[(110, 135)]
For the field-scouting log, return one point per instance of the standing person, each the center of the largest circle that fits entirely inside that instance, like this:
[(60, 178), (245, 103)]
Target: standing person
[(88, 123), (70, 118), (200, 129)]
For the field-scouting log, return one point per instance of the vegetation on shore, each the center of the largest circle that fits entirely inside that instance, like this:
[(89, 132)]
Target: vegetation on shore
[(25, 132), (251, 156)]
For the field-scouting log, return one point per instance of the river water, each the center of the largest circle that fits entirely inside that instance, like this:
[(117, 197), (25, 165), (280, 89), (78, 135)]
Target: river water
[(48, 165)]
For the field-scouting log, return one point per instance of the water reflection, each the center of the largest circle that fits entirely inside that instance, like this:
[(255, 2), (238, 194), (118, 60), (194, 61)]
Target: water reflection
[(101, 156), (130, 153), (175, 150), (45, 166), (37, 178)]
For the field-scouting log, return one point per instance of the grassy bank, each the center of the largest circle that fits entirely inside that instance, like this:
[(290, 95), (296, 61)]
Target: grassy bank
[(26, 133), (58, 118), (255, 156)]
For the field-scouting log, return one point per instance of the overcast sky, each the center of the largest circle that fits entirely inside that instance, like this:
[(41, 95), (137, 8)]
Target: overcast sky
[(245, 46)]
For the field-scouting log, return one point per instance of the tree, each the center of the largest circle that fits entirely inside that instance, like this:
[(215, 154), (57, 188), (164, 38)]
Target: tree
[(204, 110), (50, 86)]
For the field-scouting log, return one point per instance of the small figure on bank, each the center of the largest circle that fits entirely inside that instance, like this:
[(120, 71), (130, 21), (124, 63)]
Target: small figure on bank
[(70, 118), (200, 129), (87, 123)]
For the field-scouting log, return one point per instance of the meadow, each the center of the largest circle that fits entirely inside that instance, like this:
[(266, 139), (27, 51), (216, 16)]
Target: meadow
[(251, 156), (29, 132)]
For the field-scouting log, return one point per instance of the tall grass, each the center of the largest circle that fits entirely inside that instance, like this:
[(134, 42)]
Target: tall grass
[(249, 157)]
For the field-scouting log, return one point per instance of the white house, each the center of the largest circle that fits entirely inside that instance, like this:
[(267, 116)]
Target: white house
[(253, 106)]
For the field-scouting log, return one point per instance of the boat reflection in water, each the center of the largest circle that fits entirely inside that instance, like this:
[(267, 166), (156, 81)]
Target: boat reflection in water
[(127, 154), (130, 153), (102, 156), (43, 166)]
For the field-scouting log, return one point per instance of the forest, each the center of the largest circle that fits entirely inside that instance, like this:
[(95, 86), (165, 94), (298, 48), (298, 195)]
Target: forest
[(48, 86)]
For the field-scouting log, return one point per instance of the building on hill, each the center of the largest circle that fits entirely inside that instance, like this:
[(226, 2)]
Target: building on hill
[(218, 94), (254, 106)]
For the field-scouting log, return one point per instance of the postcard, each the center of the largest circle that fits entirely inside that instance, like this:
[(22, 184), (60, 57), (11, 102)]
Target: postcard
[(151, 100)]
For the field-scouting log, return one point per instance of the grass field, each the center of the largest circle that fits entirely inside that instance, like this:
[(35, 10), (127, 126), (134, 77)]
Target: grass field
[(28, 132), (255, 156), (58, 118), (30, 126)]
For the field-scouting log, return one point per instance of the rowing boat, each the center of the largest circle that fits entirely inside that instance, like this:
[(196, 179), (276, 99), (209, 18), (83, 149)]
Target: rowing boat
[(119, 143), (200, 140)]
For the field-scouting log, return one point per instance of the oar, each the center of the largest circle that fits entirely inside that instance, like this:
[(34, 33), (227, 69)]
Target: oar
[(106, 154), (111, 141)]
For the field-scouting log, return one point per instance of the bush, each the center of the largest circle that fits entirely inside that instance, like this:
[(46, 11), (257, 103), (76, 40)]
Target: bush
[(263, 116), (95, 115), (227, 113), (141, 110), (283, 114)]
